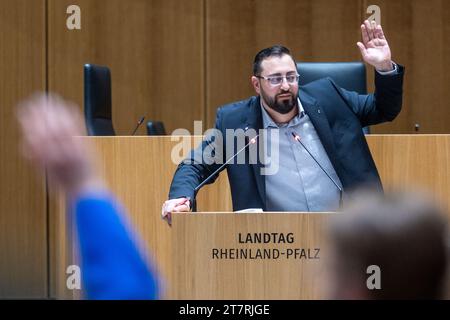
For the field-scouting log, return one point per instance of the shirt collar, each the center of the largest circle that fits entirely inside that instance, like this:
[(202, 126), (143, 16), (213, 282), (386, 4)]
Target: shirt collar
[(269, 123)]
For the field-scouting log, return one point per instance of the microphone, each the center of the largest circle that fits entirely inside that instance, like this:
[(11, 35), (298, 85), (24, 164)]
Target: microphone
[(297, 138), (140, 121), (197, 188)]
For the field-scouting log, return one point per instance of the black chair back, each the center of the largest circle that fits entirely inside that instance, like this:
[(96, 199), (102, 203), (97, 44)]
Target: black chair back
[(97, 100), (155, 128), (348, 75)]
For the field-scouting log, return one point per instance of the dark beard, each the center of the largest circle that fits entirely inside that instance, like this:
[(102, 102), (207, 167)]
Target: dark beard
[(284, 106)]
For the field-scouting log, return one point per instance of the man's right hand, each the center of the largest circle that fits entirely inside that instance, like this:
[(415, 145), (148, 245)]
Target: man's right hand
[(175, 205)]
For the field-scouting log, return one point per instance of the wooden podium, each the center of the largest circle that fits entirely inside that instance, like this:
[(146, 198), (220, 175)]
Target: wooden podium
[(139, 171), (274, 255)]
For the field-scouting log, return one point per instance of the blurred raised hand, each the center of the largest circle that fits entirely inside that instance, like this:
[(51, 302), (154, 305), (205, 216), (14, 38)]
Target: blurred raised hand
[(49, 125)]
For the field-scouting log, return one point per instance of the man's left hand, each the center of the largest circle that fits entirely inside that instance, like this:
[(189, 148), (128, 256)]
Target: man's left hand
[(375, 48)]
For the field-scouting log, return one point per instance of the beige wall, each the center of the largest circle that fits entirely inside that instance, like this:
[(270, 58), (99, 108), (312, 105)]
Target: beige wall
[(176, 61)]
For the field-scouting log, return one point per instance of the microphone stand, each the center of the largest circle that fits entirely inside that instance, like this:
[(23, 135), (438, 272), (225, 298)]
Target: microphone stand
[(194, 201), (138, 125), (341, 202)]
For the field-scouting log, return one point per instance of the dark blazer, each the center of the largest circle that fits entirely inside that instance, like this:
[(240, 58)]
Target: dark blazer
[(338, 116)]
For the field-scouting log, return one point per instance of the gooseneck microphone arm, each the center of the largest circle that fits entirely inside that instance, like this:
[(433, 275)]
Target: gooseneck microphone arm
[(141, 120), (197, 188), (297, 138)]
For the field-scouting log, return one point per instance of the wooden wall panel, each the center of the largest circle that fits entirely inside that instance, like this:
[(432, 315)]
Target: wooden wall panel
[(430, 94), (153, 48), (23, 234), (418, 33), (396, 19)]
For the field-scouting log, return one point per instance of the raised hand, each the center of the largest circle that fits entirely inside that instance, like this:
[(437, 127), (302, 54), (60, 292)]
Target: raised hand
[(375, 48), (49, 126)]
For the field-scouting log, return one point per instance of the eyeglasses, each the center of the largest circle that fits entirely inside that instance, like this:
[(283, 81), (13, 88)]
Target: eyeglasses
[(277, 80)]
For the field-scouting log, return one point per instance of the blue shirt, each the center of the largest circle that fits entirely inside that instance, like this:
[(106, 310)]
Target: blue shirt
[(111, 265)]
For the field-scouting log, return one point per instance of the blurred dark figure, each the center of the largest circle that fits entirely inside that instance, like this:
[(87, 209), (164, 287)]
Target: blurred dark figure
[(111, 265), (405, 235)]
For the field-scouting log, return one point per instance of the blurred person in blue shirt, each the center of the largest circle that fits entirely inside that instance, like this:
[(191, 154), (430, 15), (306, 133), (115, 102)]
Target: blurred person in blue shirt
[(112, 265)]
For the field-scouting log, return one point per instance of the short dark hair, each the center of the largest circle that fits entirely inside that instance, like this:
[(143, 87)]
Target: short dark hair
[(274, 51)]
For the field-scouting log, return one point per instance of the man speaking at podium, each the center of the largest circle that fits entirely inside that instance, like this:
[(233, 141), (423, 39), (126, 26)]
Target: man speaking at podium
[(322, 148)]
